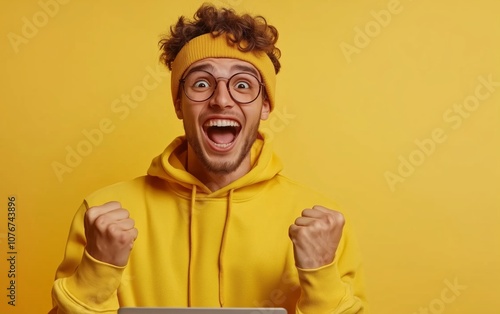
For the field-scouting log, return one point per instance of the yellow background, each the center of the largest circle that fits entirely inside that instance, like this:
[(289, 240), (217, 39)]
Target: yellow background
[(342, 122)]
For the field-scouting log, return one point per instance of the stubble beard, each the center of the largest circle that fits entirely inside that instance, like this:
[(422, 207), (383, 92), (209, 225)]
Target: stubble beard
[(225, 167)]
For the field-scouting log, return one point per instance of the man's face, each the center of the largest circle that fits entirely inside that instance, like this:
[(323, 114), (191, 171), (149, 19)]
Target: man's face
[(220, 130)]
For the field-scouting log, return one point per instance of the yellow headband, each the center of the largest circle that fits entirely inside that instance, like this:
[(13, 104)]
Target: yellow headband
[(208, 46)]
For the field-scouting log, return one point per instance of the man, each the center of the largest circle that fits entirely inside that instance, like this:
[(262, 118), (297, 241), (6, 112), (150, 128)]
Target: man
[(213, 223)]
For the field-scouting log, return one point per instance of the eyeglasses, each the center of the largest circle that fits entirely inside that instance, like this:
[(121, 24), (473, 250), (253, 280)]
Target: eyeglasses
[(201, 85)]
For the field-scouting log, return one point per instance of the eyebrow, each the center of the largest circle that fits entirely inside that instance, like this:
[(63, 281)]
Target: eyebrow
[(202, 67), (210, 68), (245, 68)]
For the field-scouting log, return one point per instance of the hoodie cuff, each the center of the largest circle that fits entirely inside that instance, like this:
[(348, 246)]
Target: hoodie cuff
[(322, 289), (95, 284)]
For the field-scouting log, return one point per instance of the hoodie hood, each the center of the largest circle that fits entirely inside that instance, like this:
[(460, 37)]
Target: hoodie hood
[(171, 166)]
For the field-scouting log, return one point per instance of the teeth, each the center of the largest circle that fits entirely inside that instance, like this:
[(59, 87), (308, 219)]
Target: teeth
[(222, 145), (221, 123)]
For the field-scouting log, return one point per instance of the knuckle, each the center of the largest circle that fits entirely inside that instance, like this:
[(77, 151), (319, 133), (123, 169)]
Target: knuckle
[(91, 214), (123, 239), (302, 232), (335, 219), (330, 219), (117, 235), (319, 223), (339, 218), (101, 222), (125, 212), (295, 232), (113, 231), (325, 223), (114, 204)]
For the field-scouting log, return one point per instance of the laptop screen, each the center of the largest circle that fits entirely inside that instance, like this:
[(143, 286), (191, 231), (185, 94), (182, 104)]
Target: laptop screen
[(170, 310)]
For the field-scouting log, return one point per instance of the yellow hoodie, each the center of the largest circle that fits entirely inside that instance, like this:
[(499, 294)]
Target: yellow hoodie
[(198, 248)]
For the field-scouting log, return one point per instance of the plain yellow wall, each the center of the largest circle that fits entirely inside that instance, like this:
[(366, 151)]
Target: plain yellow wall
[(391, 107)]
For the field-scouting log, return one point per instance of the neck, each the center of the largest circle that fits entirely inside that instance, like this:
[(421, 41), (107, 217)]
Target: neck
[(215, 180)]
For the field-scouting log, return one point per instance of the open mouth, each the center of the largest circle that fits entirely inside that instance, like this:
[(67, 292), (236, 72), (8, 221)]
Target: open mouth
[(222, 132)]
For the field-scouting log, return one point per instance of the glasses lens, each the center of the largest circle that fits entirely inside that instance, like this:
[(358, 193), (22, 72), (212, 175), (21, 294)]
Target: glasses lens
[(201, 85), (244, 87)]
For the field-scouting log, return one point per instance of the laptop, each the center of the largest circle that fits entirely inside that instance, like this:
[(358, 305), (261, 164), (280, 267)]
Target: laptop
[(199, 310)]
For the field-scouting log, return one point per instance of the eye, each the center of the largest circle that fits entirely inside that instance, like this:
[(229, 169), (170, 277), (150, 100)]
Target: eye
[(201, 84), (242, 85)]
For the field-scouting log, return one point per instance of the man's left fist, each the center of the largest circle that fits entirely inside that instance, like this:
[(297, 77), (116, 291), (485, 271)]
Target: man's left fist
[(316, 236)]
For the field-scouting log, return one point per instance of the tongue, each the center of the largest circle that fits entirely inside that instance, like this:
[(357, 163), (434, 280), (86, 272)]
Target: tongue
[(221, 135)]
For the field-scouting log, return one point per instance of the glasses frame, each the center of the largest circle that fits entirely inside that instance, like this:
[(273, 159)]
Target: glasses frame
[(182, 81)]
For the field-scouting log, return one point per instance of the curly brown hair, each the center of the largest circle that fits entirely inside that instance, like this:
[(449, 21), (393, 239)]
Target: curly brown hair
[(254, 31)]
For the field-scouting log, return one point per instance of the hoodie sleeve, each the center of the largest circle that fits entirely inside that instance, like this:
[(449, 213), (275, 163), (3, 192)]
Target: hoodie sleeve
[(337, 288), (84, 284)]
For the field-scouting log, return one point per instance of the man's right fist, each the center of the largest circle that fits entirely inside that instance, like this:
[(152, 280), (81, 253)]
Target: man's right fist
[(110, 233)]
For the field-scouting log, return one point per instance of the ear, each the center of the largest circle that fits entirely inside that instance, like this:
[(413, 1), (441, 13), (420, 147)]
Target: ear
[(178, 109), (266, 109)]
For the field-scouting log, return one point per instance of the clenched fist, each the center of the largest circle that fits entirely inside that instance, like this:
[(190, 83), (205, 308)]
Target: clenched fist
[(316, 236), (110, 233)]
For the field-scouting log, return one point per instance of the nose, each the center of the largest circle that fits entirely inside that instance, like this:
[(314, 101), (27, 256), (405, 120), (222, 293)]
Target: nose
[(221, 97)]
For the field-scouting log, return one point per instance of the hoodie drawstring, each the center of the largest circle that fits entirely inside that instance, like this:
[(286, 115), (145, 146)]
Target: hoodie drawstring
[(222, 248), (191, 210)]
